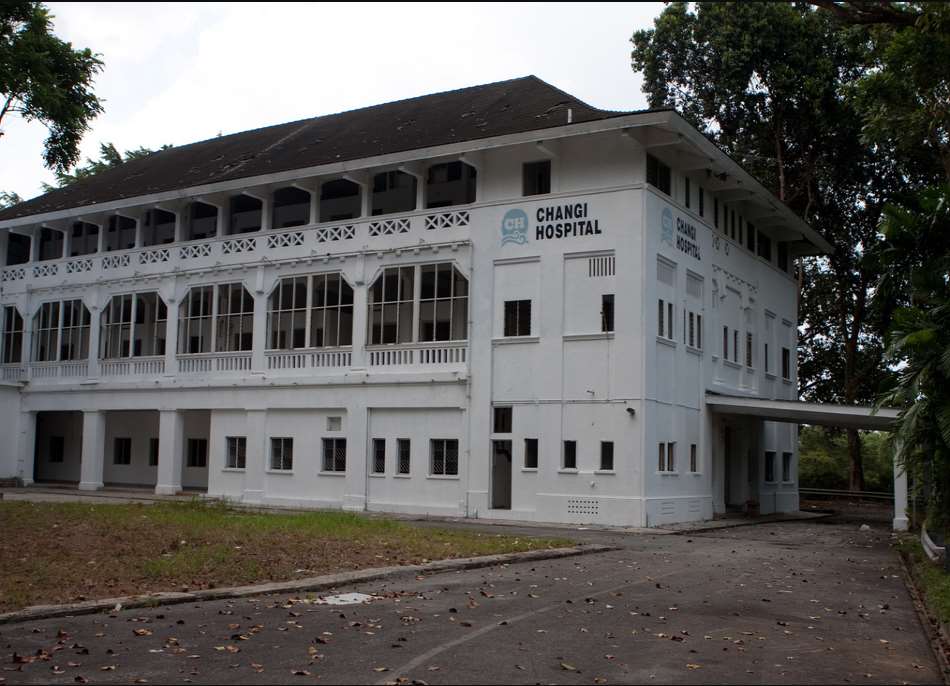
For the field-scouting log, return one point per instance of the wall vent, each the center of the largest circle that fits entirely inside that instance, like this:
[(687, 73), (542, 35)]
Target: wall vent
[(602, 266), (668, 507), (583, 506)]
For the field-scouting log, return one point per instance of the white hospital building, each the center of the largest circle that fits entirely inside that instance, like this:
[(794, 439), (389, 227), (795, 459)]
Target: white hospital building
[(495, 302)]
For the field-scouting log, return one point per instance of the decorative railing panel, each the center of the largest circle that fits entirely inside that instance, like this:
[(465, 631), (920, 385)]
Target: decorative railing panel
[(157, 256), (190, 252), (116, 261), (79, 266), (285, 240), (308, 359), (12, 372), (15, 274), (422, 355), (335, 233), (41, 270), (214, 362), (235, 246), (389, 227), (448, 220)]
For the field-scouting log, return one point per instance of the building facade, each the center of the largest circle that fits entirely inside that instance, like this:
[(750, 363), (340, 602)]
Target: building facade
[(494, 302)]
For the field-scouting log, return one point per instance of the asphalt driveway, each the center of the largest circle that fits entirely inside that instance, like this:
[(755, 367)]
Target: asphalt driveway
[(801, 602)]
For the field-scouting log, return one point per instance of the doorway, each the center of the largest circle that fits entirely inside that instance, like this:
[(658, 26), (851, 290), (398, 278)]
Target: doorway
[(501, 475)]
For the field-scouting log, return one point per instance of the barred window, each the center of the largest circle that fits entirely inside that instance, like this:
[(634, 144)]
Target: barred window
[(443, 303), (281, 454), (133, 325), (748, 349), (334, 454), (403, 447), (390, 306), (12, 335), (379, 456), (235, 321), (197, 452), (287, 315), (46, 333), (237, 452), (445, 457), (61, 331), (331, 312)]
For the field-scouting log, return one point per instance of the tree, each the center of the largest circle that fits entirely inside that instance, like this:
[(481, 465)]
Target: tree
[(9, 199), (42, 78), (770, 84), (109, 156)]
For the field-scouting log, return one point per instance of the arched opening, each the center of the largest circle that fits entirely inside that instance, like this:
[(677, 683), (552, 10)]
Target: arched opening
[(291, 208), (393, 191), (327, 298), (51, 244), (120, 233), (159, 227), (85, 239), (202, 222), (339, 199), (450, 183), (133, 325), (246, 214)]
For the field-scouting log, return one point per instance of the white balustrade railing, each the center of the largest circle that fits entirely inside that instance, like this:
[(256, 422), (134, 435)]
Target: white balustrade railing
[(235, 246), (53, 370), (335, 233), (389, 227), (79, 266), (154, 256), (285, 240), (448, 220), (214, 362), (116, 261), (12, 372), (136, 366), (189, 252), (308, 359), (45, 269), (425, 354), (14, 274)]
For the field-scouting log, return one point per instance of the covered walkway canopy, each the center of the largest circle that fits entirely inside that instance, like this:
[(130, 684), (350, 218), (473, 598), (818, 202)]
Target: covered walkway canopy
[(821, 414)]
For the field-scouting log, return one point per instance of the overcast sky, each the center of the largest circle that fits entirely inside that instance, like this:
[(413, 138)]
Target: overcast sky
[(179, 73)]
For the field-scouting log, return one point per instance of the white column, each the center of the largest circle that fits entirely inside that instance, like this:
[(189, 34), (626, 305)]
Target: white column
[(256, 457), (354, 494), (171, 337), (26, 447), (93, 450), (35, 245), (95, 330), (901, 522), (360, 294), (171, 443), (4, 241), (259, 338)]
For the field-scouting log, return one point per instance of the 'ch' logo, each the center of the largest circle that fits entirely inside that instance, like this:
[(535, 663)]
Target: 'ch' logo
[(514, 227), (667, 223)]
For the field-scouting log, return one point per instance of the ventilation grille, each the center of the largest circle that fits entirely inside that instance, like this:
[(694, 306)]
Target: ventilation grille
[(694, 287), (694, 506), (583, 506), (602, 266), (668, 507)]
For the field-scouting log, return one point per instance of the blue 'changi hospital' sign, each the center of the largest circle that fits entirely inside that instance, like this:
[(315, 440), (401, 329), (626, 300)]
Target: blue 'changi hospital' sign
[(684, 235), (552, 221)]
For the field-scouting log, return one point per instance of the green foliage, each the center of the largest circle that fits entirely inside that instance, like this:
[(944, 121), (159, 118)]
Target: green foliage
[(9, 199), (109, 156), (772, 84), (823, 460), (934, 584), (42, 78)]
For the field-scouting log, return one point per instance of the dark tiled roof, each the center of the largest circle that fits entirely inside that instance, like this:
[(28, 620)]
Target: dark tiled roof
[(506, 107)]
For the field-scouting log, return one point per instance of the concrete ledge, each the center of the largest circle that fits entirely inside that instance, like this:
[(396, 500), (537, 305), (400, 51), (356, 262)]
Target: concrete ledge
[(316, 583)]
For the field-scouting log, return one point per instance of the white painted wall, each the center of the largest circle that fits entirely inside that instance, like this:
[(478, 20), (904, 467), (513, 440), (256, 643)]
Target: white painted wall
[(9, 429)]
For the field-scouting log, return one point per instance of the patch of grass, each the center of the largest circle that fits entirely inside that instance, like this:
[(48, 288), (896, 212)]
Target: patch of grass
[(933, 581), (63, 552)]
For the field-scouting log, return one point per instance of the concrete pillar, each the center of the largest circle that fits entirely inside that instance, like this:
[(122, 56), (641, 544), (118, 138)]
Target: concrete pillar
[(360, 317), (223, 229), (95, 331), (4, 241), (267, 210), (35, 245), (354, 493), (259, 338), (93, 450), (171, 337), (901, 522), (256, 457), (171, 447), (26, 447)]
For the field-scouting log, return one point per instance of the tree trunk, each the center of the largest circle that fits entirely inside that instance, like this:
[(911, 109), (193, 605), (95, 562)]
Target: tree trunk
[(856, 475)]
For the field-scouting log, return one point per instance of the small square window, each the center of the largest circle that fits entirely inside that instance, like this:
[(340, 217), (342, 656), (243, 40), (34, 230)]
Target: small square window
[(282, 454), (517, 318), (334, 454), (570, 455), (334, 423), (502, 423), (123, 451), (607, 456), (536, 177), (531, 453), (153, 452), (237, 452), (197, 452), (403, 446), (379, 456)]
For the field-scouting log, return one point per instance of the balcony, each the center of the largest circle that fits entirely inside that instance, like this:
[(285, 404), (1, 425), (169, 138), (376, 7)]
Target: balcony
[(440, 355), (395, 231)]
